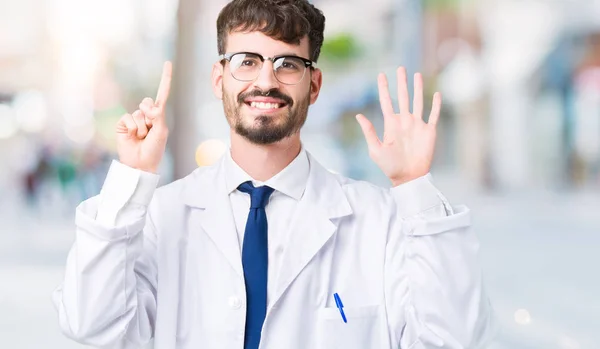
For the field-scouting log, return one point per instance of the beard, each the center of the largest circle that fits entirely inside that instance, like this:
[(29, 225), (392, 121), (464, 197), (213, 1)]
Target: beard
[(266, 129)]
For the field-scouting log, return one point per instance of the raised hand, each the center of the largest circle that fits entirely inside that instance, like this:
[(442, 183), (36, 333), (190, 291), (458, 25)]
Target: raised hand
[(142, 135), (406, 150)]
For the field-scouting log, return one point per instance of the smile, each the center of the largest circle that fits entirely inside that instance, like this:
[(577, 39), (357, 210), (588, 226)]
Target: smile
[(265, 106)]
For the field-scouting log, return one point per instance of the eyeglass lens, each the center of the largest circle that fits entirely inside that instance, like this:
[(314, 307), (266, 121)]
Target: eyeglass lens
[(246, 67)]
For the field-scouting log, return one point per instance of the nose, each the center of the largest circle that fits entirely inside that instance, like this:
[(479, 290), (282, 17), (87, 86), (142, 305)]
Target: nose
[(266, 79)]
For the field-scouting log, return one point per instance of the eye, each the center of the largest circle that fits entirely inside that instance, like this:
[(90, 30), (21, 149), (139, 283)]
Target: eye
[(245, 61), (289, 65)]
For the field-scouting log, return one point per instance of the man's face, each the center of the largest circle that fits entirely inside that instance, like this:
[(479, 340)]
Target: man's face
[(265, 111)]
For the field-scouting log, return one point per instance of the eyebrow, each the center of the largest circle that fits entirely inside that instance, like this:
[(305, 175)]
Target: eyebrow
[(287, 53)]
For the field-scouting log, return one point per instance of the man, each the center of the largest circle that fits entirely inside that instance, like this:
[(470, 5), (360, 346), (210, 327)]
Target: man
[(266, 248)]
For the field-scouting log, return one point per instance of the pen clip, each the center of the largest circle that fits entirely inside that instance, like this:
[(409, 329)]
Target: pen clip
[(340, 306)]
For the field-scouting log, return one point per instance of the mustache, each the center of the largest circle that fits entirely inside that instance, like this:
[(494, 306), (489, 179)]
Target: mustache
[(274, 93)]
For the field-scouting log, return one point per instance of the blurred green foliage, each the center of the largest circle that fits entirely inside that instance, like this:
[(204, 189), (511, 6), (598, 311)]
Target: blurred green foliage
[(340, 48), (442, 4)]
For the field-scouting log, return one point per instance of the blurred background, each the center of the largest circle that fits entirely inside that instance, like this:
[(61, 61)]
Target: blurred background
[(519, 136)]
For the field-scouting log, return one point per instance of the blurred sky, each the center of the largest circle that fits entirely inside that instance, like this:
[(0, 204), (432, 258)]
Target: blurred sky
[(519, 136)]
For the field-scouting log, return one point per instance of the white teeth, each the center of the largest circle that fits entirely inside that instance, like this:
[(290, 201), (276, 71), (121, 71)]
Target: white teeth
[(262, 105)]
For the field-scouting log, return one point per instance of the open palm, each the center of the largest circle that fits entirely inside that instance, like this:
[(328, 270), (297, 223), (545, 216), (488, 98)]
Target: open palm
[(406, 150)]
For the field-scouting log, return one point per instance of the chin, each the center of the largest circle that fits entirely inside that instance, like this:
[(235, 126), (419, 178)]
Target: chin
[(262, 120)]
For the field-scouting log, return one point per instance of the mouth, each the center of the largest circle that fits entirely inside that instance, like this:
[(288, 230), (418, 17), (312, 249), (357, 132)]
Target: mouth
[(266, 107)]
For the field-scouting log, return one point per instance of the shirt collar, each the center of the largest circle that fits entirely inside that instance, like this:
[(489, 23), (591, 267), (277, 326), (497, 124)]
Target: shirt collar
[(290, 181)]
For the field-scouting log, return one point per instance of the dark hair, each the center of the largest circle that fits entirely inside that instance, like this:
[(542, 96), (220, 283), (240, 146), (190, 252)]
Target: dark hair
[(284, 20)]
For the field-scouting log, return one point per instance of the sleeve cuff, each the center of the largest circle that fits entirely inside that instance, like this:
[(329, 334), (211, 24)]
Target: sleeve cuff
[(124, 185), (107, 232), (417, 196), (145, 188)]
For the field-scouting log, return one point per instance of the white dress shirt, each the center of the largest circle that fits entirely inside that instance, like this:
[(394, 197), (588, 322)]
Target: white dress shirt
[(289, 185)]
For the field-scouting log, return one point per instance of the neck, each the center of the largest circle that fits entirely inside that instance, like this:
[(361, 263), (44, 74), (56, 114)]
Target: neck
[(262, 162)]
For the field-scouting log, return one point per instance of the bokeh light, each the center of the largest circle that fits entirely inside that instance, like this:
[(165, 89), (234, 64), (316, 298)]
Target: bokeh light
[(210, 151), (522, 317), (31, 111), (8, 124)]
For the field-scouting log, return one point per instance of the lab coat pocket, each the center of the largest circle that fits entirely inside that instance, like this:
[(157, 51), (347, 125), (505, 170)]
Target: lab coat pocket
[(362, 331)]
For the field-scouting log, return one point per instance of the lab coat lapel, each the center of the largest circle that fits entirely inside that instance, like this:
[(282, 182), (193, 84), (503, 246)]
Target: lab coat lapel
[(207, 196), (323, 200)]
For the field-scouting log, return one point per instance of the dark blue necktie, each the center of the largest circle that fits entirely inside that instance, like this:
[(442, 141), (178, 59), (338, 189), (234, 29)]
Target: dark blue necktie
[(255, 260)]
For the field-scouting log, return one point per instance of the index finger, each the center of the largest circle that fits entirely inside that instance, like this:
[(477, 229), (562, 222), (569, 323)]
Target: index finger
[(165, 85)]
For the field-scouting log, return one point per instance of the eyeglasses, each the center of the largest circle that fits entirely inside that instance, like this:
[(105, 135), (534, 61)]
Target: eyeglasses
[(246, 66)]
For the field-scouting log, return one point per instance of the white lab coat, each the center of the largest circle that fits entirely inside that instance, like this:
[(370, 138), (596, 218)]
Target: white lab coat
[(403, 262)]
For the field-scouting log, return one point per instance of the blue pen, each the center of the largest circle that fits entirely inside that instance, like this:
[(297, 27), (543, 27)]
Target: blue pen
[(340, 306)]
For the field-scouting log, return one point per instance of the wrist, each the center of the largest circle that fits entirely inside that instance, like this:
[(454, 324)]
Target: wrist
[(397, 181), (400, 181), (143, 168), (152, 170)]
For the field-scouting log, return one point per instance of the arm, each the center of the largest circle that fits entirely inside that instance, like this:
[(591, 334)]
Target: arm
[(433, 285), (433, 282), (109, 291)]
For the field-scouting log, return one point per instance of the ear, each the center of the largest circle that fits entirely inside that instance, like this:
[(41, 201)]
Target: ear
[(217, 80), (316, 81)]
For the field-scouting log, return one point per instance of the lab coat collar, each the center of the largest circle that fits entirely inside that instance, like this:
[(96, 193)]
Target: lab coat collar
[(204, 191), (324, 200), (206, 184)]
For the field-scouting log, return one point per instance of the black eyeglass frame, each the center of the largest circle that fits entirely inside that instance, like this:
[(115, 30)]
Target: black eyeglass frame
[(307, 63)]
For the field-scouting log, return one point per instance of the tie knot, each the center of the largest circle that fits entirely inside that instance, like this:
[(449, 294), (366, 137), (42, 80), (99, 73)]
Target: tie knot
[(258, 196)]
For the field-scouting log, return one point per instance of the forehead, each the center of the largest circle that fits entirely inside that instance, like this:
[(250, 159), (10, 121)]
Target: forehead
[(260, 43)]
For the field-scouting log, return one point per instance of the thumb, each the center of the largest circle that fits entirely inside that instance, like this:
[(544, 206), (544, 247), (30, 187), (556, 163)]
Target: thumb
[(369, 131), (156, 118)]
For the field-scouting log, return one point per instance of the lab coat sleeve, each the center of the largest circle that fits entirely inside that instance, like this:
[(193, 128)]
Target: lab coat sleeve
[(108, 297), (433, 282)]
